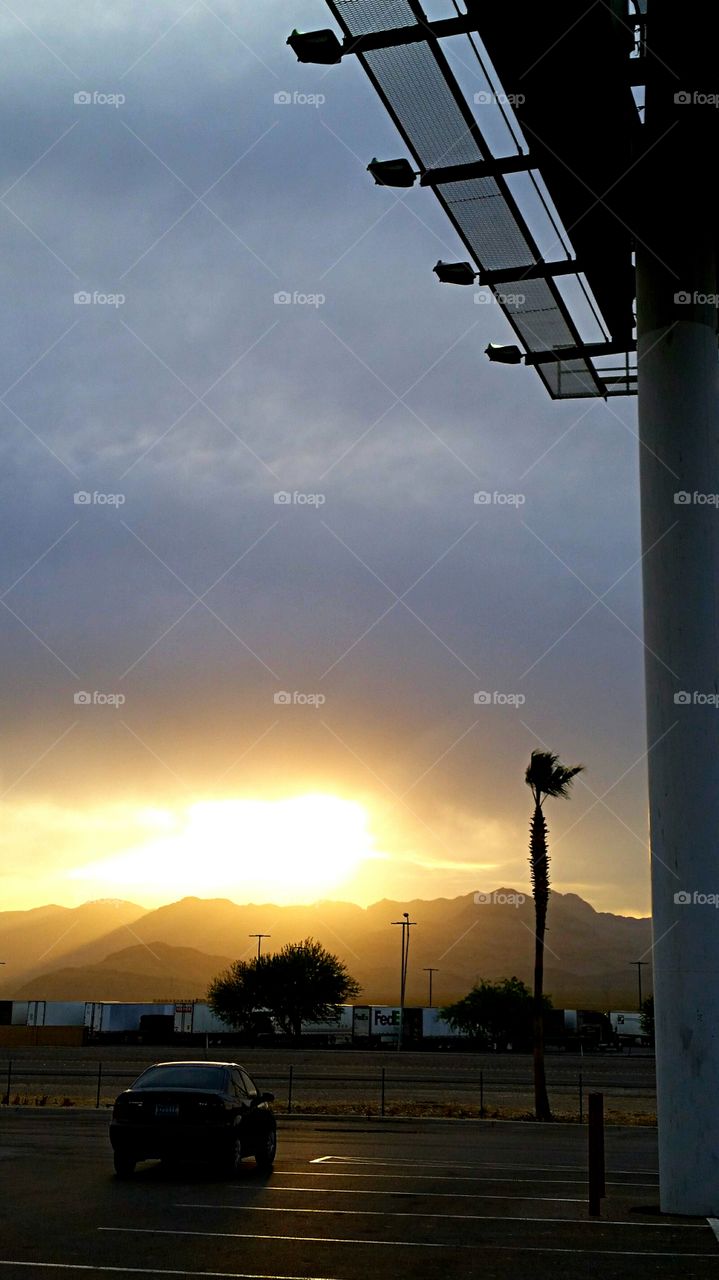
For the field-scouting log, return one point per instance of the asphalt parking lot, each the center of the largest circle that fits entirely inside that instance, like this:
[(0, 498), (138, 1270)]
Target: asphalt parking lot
[(346, 1199)]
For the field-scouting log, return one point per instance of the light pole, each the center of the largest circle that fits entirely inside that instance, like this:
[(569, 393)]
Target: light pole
[(430, 971), (639, 964), (259, 937), (406, 924)]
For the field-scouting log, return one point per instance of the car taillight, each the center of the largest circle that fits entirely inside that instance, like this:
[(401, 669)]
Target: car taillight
[(125, 1107)]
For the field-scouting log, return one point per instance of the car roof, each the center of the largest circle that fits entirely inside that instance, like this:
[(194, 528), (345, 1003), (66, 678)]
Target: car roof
[(192, 1062)]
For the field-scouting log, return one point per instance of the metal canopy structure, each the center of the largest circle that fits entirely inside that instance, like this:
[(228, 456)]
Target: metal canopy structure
[(540, 72)]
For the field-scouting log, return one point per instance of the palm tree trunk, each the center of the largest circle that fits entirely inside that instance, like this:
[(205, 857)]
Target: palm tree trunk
[(540, 880)]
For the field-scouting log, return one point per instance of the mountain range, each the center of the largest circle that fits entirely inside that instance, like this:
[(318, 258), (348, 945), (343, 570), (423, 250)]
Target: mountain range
[(116, 950)]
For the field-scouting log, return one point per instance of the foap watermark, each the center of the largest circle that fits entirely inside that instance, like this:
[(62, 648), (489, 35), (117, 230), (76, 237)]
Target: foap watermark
[(283, 498), (500, 899), (682, 498), (298, 699), (695, 698), (283, 298), (486, 98), (694, 297), (96, 499), (483, 698), (98, 699), (495, 499), (696, 98), (484, 297), (83, 298), (295, 98), (685, 898), (95, 98)]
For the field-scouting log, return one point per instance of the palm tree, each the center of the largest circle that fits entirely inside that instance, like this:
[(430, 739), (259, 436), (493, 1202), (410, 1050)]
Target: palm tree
[(545, 776)]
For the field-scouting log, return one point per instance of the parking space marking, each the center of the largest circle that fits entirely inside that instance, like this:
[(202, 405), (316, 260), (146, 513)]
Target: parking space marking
[(430, 1195), (252, 1235), (462, 1217), (155, 1271), (443, 1177), (451, 1164), (408, 1244)]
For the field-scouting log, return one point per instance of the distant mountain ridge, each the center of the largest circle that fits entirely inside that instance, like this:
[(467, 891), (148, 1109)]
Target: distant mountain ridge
[(117, 950)]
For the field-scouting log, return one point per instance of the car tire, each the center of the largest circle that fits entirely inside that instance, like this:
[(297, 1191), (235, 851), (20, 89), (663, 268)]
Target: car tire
[(266, 1150), (124, 1163), (232, 1159)]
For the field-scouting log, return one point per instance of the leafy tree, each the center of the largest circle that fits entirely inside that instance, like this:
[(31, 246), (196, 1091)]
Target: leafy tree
[(236, 996), (546, 776), (301, 983), (495, 1014), (647, 1017)]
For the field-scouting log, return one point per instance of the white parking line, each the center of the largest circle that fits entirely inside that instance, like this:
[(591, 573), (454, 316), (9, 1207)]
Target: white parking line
[(442, 1177), (452, 1164), (424, 1195), (462, 1217), (406, 1244), (154, 1271)]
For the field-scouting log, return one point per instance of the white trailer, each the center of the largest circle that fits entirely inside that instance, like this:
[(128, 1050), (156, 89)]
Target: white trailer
[(435, 1028), (336, 1030), (627, 1026), (195, 1017)]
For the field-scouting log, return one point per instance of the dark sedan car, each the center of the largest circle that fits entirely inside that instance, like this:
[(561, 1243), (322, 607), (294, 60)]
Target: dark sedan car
[(184, 1110)]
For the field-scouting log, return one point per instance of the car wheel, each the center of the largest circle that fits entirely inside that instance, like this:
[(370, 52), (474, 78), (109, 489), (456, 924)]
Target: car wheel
[(233, 1157), (124, 1164), (266, 1150)]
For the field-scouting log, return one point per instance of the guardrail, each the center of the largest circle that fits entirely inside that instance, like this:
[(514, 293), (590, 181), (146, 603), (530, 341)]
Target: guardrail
[(377, 1090)]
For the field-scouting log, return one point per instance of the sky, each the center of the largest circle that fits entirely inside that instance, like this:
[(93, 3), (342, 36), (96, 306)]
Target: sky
[(209, 304)]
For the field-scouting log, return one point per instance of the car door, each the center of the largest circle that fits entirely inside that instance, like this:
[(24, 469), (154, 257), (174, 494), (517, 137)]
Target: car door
[(246, 1095)]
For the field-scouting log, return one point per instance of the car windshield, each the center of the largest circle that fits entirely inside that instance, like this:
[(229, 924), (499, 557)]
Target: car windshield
[(181, 1076)]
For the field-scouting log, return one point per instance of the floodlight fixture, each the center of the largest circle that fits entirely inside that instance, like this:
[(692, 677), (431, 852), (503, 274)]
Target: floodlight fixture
[(321, 47), (392, 173), (498, 354), (455, 273)]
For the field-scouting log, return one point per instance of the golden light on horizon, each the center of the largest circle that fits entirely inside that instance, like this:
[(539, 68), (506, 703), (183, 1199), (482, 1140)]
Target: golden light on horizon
[(288, 850)]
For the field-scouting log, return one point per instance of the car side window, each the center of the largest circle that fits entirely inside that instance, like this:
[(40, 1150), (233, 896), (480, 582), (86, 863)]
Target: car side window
[(249, 1085), (238, 1087)]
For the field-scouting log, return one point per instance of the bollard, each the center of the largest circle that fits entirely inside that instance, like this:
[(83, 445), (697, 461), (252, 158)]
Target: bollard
[(581, 1097), (99, 1084), (382, 1102), (596, 1151), (289, 1093)]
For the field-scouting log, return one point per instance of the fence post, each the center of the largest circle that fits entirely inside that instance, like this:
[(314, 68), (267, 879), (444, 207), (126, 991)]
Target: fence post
[(382, 1104), (596, 1151), (581, 1097), (99, 1084), (481, 1092), (9, 1081), (289, 1092)]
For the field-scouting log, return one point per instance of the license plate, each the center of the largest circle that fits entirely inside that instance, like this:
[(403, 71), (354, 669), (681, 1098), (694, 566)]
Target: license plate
[(167, 1110)]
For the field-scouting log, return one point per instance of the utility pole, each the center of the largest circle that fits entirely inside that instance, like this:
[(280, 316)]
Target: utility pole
[(430, 971), (406, 924), (259, 937), (640, 964)]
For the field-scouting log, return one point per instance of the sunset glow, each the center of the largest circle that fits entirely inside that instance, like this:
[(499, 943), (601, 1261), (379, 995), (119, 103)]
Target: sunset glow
[(287, 850)]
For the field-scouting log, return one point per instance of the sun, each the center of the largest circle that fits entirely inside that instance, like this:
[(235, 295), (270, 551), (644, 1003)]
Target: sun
[(289, 850)]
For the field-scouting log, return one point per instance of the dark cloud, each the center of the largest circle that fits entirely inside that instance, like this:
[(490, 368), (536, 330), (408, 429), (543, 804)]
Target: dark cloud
[(198, 397)]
